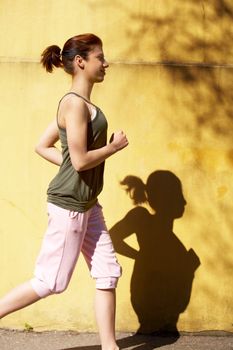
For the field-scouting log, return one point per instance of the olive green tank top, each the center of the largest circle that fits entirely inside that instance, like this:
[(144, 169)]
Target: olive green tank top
[(78, 190)]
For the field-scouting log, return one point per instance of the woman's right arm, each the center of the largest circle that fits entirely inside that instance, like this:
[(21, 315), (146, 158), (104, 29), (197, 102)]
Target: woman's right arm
[(76, 122), (46, 145)]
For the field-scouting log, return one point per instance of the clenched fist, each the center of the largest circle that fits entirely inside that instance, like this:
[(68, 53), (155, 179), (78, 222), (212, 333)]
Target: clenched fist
[(119, 140)]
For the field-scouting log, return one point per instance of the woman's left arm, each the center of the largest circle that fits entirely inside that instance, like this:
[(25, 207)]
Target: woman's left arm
[(46, 145)]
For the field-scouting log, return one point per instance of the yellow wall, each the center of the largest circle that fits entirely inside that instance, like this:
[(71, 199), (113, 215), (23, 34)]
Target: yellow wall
[(169, 86)]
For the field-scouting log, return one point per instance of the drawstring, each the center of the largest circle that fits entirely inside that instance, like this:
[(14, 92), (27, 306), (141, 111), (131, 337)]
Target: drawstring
[(72, 214)]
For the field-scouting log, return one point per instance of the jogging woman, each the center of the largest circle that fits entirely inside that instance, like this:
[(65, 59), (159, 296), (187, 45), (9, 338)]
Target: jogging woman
[(76, 222)]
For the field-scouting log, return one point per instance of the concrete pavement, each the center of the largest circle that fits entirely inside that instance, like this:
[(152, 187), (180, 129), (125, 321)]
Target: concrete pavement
[(22, 340)]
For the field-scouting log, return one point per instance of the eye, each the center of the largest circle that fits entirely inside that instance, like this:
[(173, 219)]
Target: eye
[(101, 58)]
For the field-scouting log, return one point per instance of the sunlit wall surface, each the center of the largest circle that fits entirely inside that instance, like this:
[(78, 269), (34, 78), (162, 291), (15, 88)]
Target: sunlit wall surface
[(169, 87)]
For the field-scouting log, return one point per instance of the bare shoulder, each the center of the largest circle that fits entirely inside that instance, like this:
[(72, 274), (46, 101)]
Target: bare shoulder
[(72, 102), (72, 106)]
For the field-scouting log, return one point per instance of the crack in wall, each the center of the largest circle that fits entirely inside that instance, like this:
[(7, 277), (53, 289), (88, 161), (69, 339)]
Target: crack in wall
[(142, 63)]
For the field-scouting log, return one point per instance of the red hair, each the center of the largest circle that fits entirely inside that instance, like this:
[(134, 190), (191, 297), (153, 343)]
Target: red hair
[(81, 45)]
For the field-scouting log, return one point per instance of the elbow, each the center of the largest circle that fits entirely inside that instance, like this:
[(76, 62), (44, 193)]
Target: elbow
[(78, 166), (79, 162), (37, 149)]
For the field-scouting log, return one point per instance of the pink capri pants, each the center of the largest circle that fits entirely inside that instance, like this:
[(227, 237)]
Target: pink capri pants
[(68, 234)]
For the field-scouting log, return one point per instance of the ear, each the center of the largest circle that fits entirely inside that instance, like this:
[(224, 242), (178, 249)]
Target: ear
[(79, 61)]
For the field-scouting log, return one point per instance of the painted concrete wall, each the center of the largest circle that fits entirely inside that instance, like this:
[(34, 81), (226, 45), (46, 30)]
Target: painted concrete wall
[(169, 87)]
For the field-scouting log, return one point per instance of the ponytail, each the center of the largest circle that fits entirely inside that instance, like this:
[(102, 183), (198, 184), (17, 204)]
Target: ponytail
[(51, 57), (135, 188), (80, 45)]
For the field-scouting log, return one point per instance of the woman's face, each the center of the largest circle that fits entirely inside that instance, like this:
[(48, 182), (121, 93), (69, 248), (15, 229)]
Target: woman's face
[(95, 65)]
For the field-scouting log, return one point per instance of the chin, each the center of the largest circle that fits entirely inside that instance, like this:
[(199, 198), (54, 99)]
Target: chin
[(179, 214), (99, 80)]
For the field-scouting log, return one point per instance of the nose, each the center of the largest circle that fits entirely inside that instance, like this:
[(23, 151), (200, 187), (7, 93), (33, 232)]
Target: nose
[(182, 200), (106, 65)]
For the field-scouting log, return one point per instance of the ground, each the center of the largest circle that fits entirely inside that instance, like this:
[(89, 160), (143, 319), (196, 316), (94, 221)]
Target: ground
[(30, 340)]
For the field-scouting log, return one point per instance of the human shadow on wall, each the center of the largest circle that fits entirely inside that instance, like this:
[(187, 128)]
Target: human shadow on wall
[(163, 272)]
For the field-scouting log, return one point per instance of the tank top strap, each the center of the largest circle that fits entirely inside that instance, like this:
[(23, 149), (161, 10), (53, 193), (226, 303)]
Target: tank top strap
[(73, 93)]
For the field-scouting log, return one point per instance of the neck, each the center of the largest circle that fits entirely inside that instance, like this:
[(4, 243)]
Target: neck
[(82, 87), (165, 222)]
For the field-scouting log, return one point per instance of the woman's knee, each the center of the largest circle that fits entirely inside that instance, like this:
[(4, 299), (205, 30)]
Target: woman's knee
[(44, 290)]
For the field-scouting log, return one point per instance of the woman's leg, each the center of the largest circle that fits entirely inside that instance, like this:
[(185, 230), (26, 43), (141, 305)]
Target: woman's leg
[(100, 256), (105, 306), (55, 263), (18, 298)]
